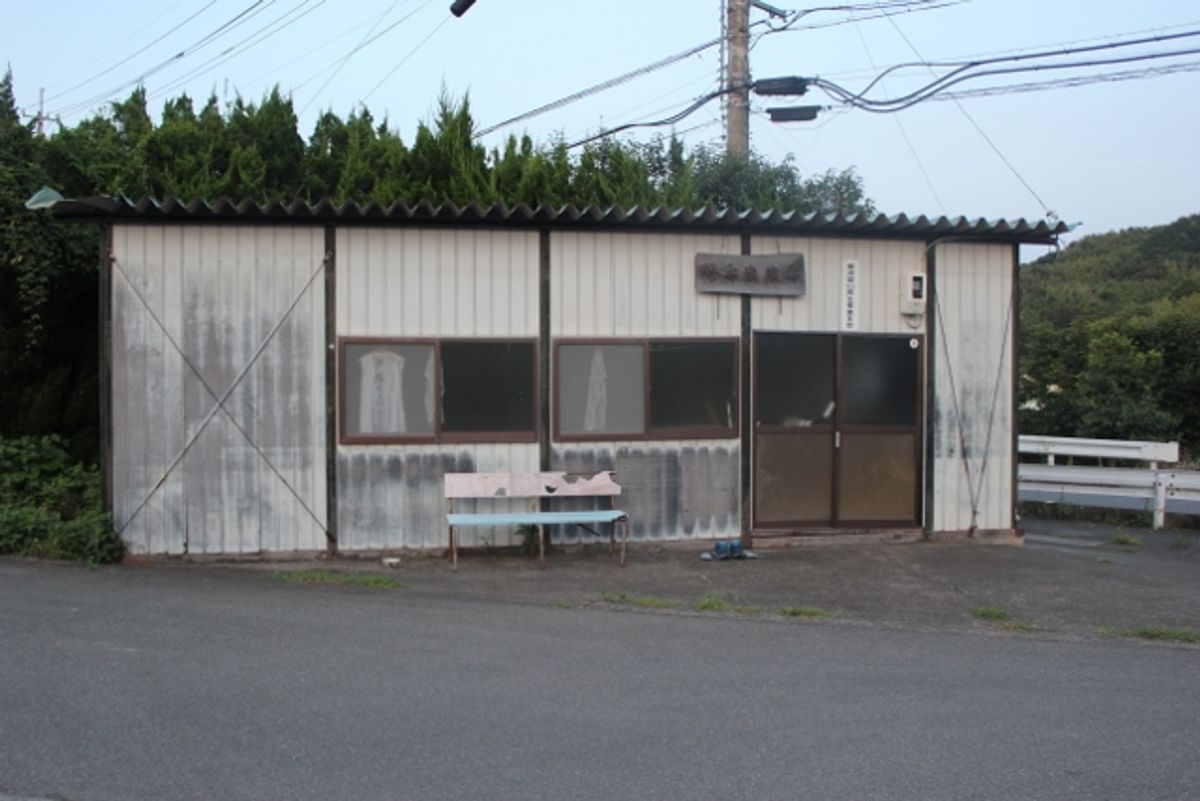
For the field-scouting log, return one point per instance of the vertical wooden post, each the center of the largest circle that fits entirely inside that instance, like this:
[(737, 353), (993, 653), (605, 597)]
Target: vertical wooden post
[(747, 412), (104, 346), (544, 350), (1015, 405), (931, 396), (331, 379)]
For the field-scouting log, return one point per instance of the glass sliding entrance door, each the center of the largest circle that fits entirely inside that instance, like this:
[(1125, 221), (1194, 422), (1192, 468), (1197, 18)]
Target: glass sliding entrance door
[(878, 467), (794, 413), (837, 435)]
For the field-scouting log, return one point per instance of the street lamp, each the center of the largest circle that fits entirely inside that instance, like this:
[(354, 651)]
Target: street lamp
[(459, 7)]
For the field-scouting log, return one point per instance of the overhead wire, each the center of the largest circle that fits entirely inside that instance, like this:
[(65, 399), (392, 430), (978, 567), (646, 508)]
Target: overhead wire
[(894, 104), (235, 50), (900, 125), (671, 120), (123, 43), (367, 38), (134, 54), (234, 22), (1071, 82), (409, 55), (983, 134)]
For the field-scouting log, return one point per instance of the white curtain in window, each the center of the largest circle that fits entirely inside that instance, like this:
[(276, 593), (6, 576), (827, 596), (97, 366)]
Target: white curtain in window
[(381, 402), (595, 417), (429, 398)]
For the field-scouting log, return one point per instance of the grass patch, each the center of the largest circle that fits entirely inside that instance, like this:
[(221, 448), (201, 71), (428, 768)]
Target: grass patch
[(807, 612), (1181, 543), (1104, 560), (643, 601), (716, 602), (1017, 626), (371, 580), (1125, 540), (992, 613), (1157, 634)]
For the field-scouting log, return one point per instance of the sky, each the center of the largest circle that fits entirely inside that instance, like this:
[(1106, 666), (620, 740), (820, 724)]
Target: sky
[(1107, 155)]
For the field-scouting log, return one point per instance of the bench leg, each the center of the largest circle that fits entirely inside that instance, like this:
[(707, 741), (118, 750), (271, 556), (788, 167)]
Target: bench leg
[(624, 539), (453, 550), (542, 544)]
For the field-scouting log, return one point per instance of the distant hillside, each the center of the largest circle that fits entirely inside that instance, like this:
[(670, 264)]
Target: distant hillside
[(1110, 336)]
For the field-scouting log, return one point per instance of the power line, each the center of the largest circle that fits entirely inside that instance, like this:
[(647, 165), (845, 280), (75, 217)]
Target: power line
[(600, 87), (133, 55), (979, 129), (362, 43), (1071, 82), (402, 61), (307, 54), (86, 67), (904, 133), (367, 40), (891, 105), (237, 49), (671, 120), (234, 22), (962, 66)]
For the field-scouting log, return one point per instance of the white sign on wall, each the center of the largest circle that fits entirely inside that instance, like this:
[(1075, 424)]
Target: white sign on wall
[(851, 295)]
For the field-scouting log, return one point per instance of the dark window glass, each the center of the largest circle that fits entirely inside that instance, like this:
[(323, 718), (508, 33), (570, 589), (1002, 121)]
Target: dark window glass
[(879, 377), (601, 389), (389, 390), (692, 385), (795, 376), (488, 387)]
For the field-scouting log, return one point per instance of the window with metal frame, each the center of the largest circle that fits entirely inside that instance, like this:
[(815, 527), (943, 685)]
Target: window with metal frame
[(632, 389), (407, 391)]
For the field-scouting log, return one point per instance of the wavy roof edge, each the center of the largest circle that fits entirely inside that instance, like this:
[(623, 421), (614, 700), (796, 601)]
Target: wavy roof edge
[(500, 215)]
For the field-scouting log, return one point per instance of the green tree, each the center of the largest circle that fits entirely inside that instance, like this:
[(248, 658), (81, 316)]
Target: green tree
[(1119, 394)]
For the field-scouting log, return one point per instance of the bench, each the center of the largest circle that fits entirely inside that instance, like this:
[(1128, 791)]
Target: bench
[(535, 486)]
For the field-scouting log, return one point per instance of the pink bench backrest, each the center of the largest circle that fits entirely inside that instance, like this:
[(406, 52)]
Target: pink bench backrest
[(531, 485)]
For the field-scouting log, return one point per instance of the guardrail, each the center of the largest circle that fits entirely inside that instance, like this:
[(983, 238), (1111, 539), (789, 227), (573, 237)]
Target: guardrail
[(1147, 489), (1050, 447)]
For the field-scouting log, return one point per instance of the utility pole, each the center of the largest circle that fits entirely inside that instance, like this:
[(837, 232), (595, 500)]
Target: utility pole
[(737, 73), (41, 117)]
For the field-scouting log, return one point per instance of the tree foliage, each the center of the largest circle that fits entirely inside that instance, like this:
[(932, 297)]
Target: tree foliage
[(1111, 336)]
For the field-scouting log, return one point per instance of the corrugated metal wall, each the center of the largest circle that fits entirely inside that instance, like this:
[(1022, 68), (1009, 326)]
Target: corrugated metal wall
[(424, 282), (218, 292), (884, 266), (975, 355), (643, 285), (636, 285)]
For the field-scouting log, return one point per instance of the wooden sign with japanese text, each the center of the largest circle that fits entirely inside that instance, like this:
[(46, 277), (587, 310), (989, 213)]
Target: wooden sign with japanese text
[(776, 274)]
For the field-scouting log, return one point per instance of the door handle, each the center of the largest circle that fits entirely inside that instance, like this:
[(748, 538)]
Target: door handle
[(837, 439)]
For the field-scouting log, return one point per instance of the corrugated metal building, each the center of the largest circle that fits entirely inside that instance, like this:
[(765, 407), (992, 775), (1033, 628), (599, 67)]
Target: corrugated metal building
[(297, 378)]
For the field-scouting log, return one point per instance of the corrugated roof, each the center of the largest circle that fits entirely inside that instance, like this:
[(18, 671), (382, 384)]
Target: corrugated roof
[(898, 226)]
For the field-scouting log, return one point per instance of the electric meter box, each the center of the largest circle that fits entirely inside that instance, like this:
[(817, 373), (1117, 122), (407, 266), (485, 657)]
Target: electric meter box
[(912, 293)]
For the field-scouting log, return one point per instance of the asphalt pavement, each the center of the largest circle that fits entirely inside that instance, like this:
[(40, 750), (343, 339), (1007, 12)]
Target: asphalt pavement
[(587, 681)]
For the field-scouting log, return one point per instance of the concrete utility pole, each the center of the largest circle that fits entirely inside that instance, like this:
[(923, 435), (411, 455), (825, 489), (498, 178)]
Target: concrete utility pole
[(737, 73)]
